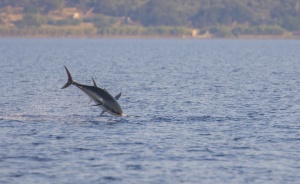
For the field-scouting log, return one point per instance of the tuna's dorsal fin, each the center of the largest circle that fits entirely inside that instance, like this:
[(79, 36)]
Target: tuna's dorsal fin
[(118, 96), (94, 82)]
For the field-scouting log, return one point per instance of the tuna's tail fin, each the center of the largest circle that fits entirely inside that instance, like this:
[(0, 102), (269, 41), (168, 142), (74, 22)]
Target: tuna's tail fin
[(70, 80)]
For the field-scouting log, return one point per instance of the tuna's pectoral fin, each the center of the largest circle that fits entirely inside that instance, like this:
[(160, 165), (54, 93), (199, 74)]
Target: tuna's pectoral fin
[(102, 112), (118, 96), (97, 104)]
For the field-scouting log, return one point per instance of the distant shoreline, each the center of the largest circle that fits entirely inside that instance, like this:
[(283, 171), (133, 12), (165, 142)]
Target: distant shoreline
[(243, 37), (150, 19)]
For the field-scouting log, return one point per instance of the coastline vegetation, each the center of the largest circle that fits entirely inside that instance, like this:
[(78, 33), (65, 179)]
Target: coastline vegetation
[(150, 18)]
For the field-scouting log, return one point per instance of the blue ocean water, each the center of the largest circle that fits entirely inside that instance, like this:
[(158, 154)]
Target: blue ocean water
[(199, 111)]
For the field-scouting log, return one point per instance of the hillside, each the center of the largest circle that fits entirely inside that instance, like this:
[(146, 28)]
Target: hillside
[(173, 18)]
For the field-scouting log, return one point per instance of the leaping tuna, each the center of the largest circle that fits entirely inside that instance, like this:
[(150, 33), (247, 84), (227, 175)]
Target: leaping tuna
[(100, 96)]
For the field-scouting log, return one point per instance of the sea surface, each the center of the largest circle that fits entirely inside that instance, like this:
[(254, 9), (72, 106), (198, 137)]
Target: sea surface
[(198, 111)]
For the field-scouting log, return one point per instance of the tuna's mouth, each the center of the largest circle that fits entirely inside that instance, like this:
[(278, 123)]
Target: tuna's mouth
[(118, 113)]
